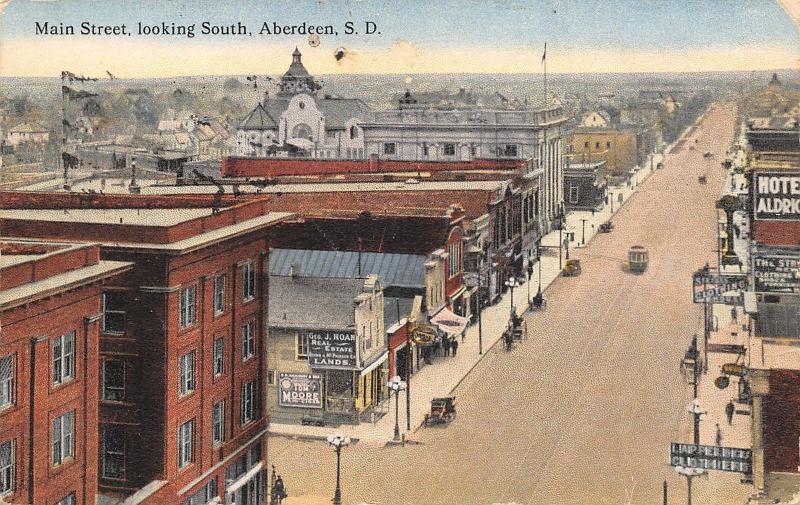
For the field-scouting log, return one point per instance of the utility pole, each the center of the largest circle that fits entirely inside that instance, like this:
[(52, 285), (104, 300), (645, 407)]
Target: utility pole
[(583, 231), (706, 271)]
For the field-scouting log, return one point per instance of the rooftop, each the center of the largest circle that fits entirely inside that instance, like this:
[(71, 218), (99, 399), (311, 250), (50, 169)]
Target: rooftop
[(142, 217)]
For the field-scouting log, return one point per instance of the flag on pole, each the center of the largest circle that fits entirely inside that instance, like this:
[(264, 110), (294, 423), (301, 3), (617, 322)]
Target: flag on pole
[(544, 54)]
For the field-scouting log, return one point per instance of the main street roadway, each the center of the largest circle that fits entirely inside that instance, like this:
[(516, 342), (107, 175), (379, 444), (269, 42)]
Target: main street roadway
[(582, 412)]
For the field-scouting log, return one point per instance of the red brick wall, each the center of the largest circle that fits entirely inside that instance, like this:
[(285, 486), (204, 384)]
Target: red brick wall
[(41, 200), (777, 232), (781, 421), (271, 167), (49, 265), (49, 318), (454, 283)]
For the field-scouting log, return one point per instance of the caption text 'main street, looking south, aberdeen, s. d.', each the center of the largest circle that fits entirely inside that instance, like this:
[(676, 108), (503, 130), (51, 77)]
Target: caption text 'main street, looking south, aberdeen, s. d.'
[(190, 30)]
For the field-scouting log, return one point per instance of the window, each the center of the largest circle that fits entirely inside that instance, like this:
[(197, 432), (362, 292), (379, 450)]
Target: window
[(597, 145), (6, 467), (203, 495), (114, 312), (64, 358), (113, 380), (247, 406), (302, 131), (6, 380), (473, 151), (389, 148), (510, 150), (301, 342), (586, 145), (219, 356), (331, 134), (186, 443), (219, 295), (425, 149), (67, 500), (248, 341), (62, 438), (186, 385), (449, 149), (113, 462), (218, 423), (187, 308), (271, 377), (573, 194), (608, 145), (248, 281)]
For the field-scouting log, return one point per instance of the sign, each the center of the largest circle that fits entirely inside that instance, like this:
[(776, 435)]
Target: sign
[(300, 390), (776, 196), (711, 457), (776, 273), (423, 334), (331, 349), (725, 348), (712, 287)]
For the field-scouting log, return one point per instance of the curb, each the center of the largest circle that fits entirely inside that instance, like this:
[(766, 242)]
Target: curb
[(306, 436)]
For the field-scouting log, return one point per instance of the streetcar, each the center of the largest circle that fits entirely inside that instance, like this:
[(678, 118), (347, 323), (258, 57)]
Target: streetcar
[(638, 258)]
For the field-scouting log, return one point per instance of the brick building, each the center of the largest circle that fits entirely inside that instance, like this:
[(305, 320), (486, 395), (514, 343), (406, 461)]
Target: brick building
[(181, 417), (50, 306)]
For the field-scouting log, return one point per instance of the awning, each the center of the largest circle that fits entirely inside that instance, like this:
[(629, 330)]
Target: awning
[(448, 322), (375, 364)]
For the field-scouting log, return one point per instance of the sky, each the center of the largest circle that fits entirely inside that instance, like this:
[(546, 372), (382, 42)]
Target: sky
[(413, 36)]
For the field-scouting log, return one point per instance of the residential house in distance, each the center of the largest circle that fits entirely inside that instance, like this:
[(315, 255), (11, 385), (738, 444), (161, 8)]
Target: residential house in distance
[(326, 351), (298, 122), (599, 139), (181, 340), (24, 133), (50, 306)]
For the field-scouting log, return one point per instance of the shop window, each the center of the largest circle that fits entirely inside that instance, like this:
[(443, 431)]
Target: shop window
[(204, 495)]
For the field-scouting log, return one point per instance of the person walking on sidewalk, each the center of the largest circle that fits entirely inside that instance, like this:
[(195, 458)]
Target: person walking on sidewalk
[(719, 436), (446, 345), (733, 314), (454, 346), (729, 409)]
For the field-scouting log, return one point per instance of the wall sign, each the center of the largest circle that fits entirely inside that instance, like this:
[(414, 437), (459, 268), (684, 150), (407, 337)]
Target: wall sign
[(332, 349), (776, 196), (300, 390)]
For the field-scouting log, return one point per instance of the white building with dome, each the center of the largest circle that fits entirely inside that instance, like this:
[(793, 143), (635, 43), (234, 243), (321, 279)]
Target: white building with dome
[(298, 122)]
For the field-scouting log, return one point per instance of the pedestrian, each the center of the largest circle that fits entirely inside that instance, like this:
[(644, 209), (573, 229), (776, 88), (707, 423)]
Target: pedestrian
[(593, 211), (729, 409), (719, 436), (446, 345), (737, 231), (454, 346), (734, 314)]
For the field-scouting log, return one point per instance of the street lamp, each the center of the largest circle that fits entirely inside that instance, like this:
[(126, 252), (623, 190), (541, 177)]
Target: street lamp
[(512, 283), (696, 411), (689, 473), (583, 231), (537, 300), (338, 441), (395, 385)]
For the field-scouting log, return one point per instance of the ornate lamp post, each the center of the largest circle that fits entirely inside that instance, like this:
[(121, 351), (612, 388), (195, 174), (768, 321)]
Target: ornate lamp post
[(729, 204), (338, 442), (512, 283), (395, 385)]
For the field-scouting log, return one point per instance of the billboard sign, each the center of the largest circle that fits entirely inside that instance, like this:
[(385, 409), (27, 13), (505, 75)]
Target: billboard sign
[(713, 287), (332, 349), (776, 196), (775, 273), (711, 457), (300, 390)]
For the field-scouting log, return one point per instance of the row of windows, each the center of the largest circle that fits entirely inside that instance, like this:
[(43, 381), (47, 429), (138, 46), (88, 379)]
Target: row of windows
[(596, 145), (248, 408), (63, 367), (449, 149), (62, 449)]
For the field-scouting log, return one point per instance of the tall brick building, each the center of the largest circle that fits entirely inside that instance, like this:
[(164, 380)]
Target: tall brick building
[(181, 366), (50, 305)]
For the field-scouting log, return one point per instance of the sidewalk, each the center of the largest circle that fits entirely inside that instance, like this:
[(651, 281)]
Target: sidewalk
[(446, 373)]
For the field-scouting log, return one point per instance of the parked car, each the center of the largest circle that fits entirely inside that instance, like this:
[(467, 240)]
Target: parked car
[(571, 268)]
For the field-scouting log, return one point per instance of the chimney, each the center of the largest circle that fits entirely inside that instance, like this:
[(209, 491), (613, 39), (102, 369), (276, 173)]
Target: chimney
[(294, 270)]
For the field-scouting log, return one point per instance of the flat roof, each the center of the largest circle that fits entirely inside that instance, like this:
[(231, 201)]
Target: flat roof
[(330, 187), (141, 217), (7, 260), (18, 295)]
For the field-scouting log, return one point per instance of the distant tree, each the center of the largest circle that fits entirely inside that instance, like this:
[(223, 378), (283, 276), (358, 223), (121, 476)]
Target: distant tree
[(232, 85)]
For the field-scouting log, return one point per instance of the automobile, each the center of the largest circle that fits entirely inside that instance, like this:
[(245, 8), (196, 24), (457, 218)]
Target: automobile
[(606, 227), (708, 154), (571, 268)]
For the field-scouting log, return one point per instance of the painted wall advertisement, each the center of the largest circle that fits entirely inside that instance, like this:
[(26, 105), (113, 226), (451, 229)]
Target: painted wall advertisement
[(777, 195), (331, 349), (300, 390), (776, 273)]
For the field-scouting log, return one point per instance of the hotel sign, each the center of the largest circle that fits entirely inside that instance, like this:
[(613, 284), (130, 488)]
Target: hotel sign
[(776, 196), (776, 274), (332, 349), (300, 390)]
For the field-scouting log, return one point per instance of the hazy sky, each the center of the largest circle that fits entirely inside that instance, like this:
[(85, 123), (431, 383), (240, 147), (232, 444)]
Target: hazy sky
[(415, 36)]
